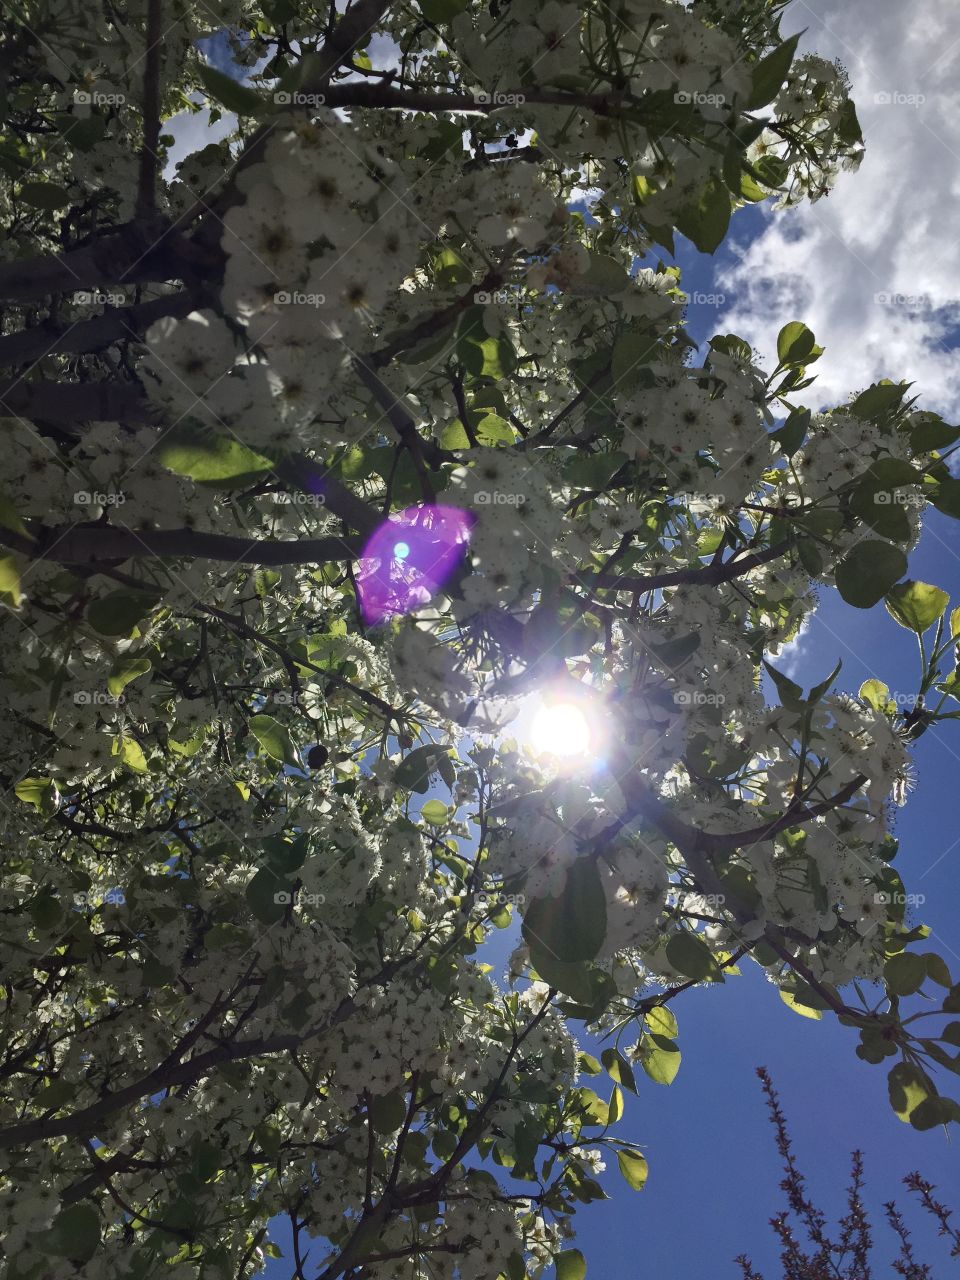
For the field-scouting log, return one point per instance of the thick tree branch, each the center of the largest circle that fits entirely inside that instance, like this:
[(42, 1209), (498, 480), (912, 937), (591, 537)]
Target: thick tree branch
[(115, 324), (109, 545), (147, 181)]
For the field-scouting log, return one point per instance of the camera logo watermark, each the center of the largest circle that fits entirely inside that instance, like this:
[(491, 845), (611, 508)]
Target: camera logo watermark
[(112, 898), (698, 698), (884, 899), (705, 299), (497, 899), (93, 98), (97, 698), (300, 499), (495, 498), (898, 498), (915, 301), (294, 298), (94, 498), (691, 98), (294, 98), (498, 99), (284, 898), (99, 298), (895, 98), (483, 299)]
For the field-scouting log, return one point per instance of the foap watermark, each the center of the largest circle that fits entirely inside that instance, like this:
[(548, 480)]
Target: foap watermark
[(691, 97), (706, 299), (497, 899), (487, 299), (896, 98), (94, 498), (498, 99), (97, 698), (897, 498), (285, 898), (913, 301), (286, 697), (907, 700), (497, 498), (294, 98), (100, 298), (300, 499), (94, 98), (295, 298), (112, 898), (885, 899), (693, 499), (698, 698)]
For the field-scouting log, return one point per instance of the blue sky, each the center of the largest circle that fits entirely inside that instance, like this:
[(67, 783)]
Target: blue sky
[(885, 231)]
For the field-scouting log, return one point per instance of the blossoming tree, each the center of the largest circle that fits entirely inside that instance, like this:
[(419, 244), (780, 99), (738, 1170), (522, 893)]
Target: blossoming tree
[(324, 450)]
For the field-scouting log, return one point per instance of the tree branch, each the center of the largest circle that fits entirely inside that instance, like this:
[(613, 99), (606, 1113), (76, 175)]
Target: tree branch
[(147, 180), (106, 544)]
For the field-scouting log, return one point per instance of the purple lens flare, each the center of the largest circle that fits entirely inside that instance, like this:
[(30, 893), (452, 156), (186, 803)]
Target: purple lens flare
[(409, 558)]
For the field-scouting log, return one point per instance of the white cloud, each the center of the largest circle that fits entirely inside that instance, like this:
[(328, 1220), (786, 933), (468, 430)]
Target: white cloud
[(193, 131), (888, 229)]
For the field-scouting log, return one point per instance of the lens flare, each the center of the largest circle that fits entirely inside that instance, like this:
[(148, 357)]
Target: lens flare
[(409, 558)]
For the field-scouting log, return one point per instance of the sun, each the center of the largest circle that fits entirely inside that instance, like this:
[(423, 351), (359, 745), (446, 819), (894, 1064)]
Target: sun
[(561, 729)]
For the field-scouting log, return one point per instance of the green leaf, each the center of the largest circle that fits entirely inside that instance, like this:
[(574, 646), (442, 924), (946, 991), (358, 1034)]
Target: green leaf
[(450, 268), (661, 1021), (791, 694), (571, 1265), (867, 573), (214, 460), (791, 1001), (905, 973), (947, 497), (269, 895), (793, 432), (572, 979), (660, 1059), (690, 955), (42, 793), (619, 1069), (230, 93), (388, 1112), (435, 812), (592, 470), (10, 579), (74, 1234), (124, 671), (442, 10), (916, 605), (118, 612), (493, 430), (706, 222), (875, 694), (907, 1087), (631, 352), (573, 925), (879, 399), (274, 739), (937, 969), (603, 277), (931, 432), (770, 73), (794, 343), (634, 1168), (131, 753), (47, 196), (414, 770)]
